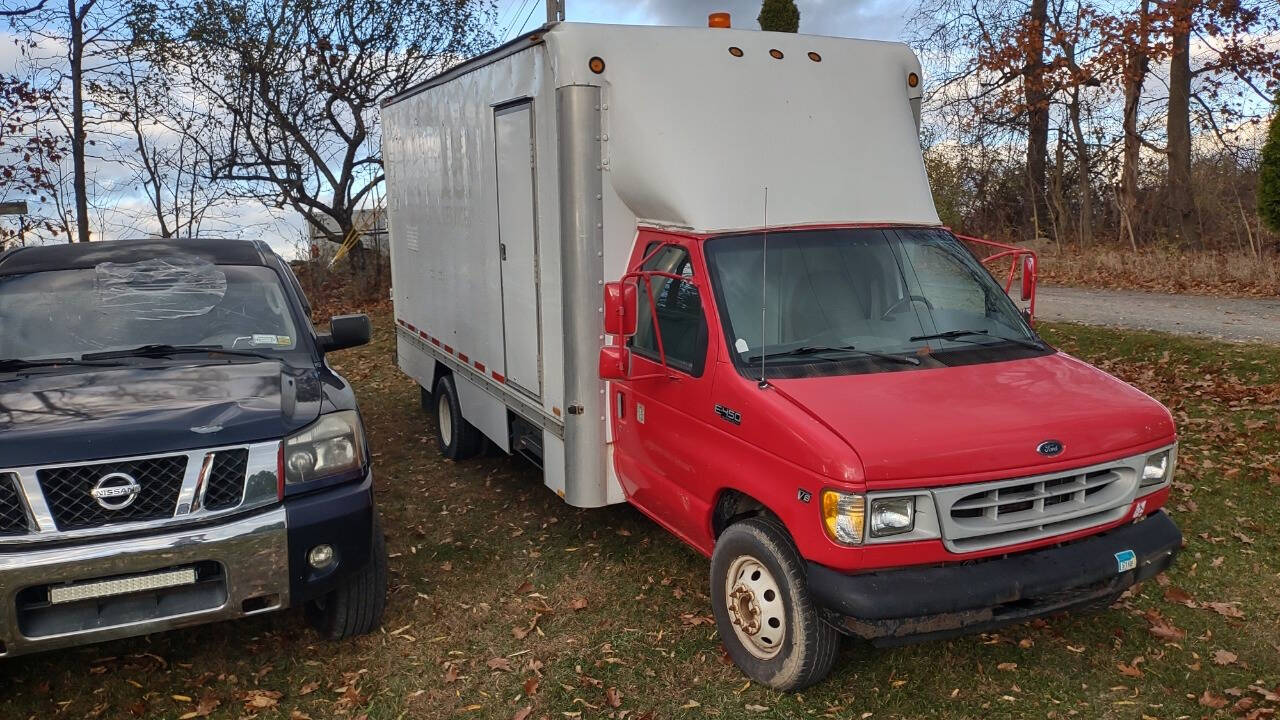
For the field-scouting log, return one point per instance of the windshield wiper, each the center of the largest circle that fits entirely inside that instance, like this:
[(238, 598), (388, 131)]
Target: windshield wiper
[(13, 364), (818, 349), (161, 350), (963, 334)]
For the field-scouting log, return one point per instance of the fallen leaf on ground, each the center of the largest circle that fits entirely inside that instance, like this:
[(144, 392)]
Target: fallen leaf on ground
[(1224, 657), (1212, 700)]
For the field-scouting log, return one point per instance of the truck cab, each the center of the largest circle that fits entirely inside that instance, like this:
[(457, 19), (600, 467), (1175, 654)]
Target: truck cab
[(897, 455), (174, 447), (700, 270)]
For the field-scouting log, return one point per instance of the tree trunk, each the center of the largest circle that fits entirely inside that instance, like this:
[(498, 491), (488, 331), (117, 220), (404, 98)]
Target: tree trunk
[(1182, 208), (1084, 170), (76, 55), (1135, 73), (1037, 100)]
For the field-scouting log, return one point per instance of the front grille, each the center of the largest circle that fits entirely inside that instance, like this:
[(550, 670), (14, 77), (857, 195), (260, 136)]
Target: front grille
[(67, 491), (224, 488), (13, 514), (1015, 511)]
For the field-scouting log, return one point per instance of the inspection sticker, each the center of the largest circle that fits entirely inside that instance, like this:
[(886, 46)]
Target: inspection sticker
[(1126, 560)]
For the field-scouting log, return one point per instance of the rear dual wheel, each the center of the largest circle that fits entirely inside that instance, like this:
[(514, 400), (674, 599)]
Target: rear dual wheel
[(456, 438), (765, 616)]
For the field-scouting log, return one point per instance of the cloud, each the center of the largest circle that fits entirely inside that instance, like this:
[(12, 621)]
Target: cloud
[(876, 19)]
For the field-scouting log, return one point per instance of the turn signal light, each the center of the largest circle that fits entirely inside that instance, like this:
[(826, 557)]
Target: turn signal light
[(718, 20)]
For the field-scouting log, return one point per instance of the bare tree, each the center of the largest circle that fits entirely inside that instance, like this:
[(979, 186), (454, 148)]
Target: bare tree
[(301, 81)]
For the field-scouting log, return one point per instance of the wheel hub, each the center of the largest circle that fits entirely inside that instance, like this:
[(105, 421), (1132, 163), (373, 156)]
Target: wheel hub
[(754, 602)]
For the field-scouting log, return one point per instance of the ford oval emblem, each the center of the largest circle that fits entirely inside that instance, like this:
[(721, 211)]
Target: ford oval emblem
[(1050, 448)]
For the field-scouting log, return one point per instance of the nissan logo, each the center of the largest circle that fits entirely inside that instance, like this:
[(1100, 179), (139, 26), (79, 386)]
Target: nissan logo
[(115, 491), (1050, 448)]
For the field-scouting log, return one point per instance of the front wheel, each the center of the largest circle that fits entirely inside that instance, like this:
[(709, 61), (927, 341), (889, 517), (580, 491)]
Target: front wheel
[(356, 606), (763, 610)]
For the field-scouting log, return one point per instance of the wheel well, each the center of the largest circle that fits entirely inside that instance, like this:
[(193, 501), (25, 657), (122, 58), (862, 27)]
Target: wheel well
[(733, 506), (441, 371)]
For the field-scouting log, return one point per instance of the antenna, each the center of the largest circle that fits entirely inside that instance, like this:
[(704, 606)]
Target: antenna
[(764, 286)]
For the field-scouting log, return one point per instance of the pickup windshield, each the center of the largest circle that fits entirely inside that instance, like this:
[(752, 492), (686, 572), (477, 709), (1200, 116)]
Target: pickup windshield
[(905, 292), (139, 309)]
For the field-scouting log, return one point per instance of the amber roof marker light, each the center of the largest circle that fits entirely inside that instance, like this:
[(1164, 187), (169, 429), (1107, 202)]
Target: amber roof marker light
[(912, 79), (735, 51), (719, 20), (776, 53), (815, 56), (596, 64)]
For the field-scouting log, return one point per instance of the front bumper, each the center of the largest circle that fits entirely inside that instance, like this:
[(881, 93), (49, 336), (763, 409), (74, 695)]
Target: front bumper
[(902, 606), (246, 566)]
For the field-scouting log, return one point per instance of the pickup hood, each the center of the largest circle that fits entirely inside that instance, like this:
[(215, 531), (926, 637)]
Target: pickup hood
[(151, 407), (947, 425)]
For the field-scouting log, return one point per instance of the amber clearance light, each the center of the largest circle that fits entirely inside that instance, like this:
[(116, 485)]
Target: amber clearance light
[(719, 20), (596, 64), (912, 79)]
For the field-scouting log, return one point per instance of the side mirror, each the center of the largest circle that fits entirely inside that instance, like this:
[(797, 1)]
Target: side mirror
[(615, 362), (621, 307), (1028, 276), (346, 331)]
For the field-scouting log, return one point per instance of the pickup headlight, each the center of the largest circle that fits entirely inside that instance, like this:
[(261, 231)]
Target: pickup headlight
[(333, 445), (1157, 468), (892, 516), (843, 516)]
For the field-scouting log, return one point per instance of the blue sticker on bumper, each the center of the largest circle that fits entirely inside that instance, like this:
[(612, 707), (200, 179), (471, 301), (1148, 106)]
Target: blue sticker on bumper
[(1126, 560)]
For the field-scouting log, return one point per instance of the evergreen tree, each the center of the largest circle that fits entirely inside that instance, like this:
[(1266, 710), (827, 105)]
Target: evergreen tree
[(779, 16), (1269, 175)]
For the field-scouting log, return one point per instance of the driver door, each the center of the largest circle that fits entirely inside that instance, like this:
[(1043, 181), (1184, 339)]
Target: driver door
[(659, 440)]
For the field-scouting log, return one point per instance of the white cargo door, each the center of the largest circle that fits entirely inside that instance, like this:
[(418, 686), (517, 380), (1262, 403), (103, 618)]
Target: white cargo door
[(518, 245)]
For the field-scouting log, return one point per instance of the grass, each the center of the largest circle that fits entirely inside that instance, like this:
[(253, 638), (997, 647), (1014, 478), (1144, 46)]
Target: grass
[(1158, 269), (504, 598)]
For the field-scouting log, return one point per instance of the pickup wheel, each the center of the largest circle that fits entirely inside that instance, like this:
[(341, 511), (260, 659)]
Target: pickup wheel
[(457, 438), (355, 607), (765, 616)]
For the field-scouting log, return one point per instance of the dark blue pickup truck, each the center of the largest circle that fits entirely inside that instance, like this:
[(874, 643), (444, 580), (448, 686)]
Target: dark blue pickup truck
[(174, 449)]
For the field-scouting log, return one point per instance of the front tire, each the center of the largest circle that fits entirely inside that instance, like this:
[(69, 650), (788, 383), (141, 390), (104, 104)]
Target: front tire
[(456, 438), (356, 606), (763, 611)]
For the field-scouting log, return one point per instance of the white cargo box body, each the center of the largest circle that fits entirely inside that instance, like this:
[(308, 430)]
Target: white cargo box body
[(516, 183)]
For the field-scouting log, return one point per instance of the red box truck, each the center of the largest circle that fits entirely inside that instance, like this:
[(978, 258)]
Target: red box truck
[(700, 271)]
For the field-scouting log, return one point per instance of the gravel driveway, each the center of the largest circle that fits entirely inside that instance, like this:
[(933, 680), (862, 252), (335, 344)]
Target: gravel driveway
[(1234, 319)]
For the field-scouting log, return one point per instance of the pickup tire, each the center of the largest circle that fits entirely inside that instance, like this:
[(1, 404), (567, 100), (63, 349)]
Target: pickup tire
[(456, 438), (356, 606), (763, 610)]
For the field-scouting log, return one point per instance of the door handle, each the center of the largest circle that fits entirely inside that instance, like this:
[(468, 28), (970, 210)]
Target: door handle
[(621, 405), (502, 251)]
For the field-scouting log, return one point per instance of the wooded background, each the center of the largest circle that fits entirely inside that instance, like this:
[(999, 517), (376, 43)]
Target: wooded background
[(1133, 125)]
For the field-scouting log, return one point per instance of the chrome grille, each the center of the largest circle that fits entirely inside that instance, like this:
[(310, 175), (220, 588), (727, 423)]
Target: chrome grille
[(13, 514), (1007, 512), (224, 488), (67, 491)]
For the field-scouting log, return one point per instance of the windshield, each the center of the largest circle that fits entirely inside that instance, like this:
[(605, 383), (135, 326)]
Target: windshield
[(844, 300), (178, 301)]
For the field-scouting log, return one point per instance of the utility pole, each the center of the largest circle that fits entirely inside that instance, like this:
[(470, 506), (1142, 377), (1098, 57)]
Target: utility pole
[(555, 11)]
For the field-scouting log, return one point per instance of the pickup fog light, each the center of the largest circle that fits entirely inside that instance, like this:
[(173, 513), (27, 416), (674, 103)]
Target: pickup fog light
[(320, 557), (843, 516), (892, 516), (333, 445), (1156, 469)]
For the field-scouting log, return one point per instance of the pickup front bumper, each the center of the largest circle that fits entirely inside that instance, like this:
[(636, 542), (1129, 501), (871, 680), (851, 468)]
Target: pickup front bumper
[(899, 607), (249, 565)]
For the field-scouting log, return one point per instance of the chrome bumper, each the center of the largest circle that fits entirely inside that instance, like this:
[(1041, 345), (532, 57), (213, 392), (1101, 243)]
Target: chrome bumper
[(252, 552)]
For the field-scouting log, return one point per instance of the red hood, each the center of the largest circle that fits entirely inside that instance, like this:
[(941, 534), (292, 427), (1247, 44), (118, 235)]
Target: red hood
[(949, 424)]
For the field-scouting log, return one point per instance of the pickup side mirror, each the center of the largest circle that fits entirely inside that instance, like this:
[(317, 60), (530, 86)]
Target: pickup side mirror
[(1028, 276), (346, 331), (615, 362), (621, 307)]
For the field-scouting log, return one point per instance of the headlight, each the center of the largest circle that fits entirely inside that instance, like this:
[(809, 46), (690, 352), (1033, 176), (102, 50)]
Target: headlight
[(843, 515), (892, 516), (333, 445), (1156, 469)]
